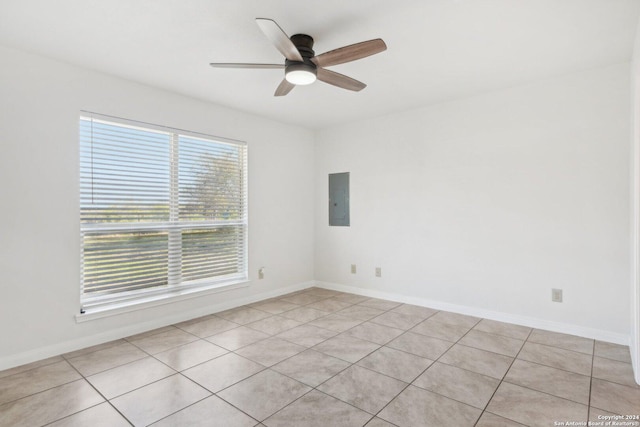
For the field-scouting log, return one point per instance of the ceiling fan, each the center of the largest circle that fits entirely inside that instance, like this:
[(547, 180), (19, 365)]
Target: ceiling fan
[(302, 66)]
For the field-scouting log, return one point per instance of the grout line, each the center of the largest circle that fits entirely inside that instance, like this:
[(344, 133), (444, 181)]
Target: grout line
[(102, 395), (591, 381), (426, 369), (556, 368), (503, 377), (113, 343)]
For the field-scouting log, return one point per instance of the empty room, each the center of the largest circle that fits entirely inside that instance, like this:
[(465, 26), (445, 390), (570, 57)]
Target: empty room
[(286, 213)]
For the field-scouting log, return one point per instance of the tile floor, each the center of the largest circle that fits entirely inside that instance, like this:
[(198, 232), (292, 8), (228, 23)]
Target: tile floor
[(324, 358)]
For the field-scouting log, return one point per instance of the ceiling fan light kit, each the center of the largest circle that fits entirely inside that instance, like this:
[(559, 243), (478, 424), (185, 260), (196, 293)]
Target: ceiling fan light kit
[(302, 66), (300, 74)]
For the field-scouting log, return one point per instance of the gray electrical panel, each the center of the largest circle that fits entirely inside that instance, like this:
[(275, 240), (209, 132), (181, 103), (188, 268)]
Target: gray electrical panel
[(339, 199)]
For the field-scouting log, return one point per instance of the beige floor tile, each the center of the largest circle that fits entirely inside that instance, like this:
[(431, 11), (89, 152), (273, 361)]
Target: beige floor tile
[(264, 301), (125, 378), (443, 331), (494, 343), (270, 351), (194, 320), (504, 329), (351, 298), (420, 345), (36, 380), (48, 406), (304, 314), (491, 420), (360, 312), (206, 328), (613, 351), (614, 371), (101, 360), (549, 381), (615, 398), (155, 401), (482, 362), (29, 366), (414, 310), (277, 307), (189, 355), (264, 394), (93, 348), (380, 304), (274, 325), (464, 386), (398, 320), (102, 415), (363, 388), (327, 293), (155, 331), (336, 322), (567, 342), (222, 372), (567, 385), (311, 367), (302, 299), (455, 319), (164, 341), (307, 335), (373, 332), (316, 409), (237, 338), (378, 422), (415, 407), (395, 363), (555, 357), (534, 408), (209, 412), (346, 348), (243, 315), (329, 305)]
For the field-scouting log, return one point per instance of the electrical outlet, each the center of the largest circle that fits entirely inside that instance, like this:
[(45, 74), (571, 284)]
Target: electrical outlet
[(261, 273), (378, 272), (353, 269), (556, 295)]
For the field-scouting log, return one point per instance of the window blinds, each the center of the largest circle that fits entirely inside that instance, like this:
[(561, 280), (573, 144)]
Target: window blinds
[(160, 209)]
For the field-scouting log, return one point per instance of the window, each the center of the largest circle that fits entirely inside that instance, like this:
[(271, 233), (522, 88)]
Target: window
[(161, 211)]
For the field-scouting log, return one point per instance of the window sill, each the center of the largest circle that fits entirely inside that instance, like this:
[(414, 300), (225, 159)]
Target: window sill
[(153, 301)]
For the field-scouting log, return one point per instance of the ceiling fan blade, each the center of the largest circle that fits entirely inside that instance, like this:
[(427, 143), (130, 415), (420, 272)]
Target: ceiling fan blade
[(233, 65), (350, 53), (279, 38), (340, 80), (284, 88)]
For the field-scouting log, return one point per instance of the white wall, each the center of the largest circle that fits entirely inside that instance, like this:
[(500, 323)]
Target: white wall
[(480, 205), (483, 205), (40, 102)]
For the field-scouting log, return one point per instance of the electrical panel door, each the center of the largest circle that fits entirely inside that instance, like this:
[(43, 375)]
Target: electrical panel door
[(339, 199)]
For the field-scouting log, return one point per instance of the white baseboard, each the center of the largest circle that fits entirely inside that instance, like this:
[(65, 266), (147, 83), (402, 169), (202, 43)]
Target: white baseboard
[(565, 328), (114, 334)]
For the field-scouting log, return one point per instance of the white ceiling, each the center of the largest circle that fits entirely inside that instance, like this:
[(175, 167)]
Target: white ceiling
[(437, 49)]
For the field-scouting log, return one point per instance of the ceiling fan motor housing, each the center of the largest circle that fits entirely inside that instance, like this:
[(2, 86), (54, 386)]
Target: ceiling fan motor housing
[(304, 44)]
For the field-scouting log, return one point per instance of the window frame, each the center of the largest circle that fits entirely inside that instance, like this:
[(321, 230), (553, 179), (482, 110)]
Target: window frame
[(100, 305)]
